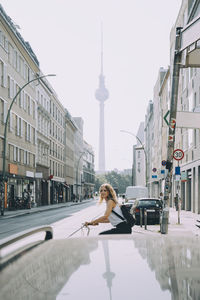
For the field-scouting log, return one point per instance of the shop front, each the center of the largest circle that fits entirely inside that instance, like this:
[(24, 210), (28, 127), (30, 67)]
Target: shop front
[(18, 188), (58, 190)]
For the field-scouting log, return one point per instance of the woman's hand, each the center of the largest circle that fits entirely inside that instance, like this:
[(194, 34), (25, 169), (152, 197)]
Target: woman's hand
[(93, 223)]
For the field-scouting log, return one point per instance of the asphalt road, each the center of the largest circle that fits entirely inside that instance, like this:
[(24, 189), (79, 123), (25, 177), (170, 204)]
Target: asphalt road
[(20, 223)]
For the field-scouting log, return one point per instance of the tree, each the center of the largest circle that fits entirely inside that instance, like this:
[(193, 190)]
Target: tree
[(117, 180)]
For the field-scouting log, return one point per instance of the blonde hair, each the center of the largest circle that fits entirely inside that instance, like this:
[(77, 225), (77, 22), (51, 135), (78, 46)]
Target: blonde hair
[(112, 195)]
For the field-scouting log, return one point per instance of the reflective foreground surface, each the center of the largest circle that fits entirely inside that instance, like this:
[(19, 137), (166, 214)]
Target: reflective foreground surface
[(106, 267)]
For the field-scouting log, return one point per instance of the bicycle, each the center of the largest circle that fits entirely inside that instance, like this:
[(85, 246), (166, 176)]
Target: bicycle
[(81, 228)]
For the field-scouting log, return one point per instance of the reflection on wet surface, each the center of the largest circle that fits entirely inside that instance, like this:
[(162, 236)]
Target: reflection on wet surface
[(112, 267), (42, 273), (176, 263)]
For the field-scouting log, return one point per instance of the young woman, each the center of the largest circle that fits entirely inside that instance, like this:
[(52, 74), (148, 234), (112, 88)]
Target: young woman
[(108, 194)]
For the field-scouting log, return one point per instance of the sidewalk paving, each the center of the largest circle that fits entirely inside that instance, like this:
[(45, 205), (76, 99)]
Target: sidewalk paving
[(20, 212), (188, 221)]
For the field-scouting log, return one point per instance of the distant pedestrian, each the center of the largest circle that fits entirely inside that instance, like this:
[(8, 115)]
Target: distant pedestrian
[(73, 197), (108, 194)]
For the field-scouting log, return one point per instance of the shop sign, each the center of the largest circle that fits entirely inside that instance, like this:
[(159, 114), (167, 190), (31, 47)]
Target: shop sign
[(29, 174), (12, 169), (38, 175)]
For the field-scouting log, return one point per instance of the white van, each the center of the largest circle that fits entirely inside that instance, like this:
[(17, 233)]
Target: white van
[(135, 192)]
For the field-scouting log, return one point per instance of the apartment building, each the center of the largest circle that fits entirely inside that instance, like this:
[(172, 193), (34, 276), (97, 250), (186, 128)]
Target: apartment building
[(88, 171), (164, 99), (139, 161), (70, 129), (149, 142), (187, 138), (157, 158), (78, 158), (58, 188), (44, 143), (43, 97), (18, 65)]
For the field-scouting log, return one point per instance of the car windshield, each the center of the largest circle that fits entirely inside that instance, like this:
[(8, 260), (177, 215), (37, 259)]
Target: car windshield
[(146, 203)]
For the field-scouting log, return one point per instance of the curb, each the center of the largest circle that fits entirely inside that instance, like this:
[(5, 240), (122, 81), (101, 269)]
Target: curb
[(40, 210)]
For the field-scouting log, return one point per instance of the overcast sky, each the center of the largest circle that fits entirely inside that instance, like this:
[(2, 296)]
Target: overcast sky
[(66, 37)]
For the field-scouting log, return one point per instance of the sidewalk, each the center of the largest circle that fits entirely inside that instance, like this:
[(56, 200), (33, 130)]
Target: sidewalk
[(20, 212), (188, 221)]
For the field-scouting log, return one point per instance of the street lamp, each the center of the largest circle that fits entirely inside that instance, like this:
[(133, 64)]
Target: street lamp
[(142, 148), (82, 153), (4, 179)]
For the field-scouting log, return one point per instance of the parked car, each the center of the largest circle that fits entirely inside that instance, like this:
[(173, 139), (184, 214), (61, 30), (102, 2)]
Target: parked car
[(153, 207), (104, 267)]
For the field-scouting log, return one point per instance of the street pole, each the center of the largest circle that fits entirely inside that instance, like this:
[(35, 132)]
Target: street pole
[(82, 153), (4, 178), (142, 148), (171, 130)]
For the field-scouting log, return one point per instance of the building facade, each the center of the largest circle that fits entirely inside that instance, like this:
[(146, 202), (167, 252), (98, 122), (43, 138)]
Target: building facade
[(70, 136), (18, 65), (78, 158), (139, 162), (149, 141), (88, 171), (43, 96), (43, 141), (187, 138)]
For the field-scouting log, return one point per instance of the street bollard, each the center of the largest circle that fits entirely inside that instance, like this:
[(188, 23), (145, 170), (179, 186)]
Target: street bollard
[(145, 219), (140, 217), (164, 221)]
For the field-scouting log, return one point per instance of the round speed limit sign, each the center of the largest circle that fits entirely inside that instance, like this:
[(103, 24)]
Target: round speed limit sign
[(178, 154)]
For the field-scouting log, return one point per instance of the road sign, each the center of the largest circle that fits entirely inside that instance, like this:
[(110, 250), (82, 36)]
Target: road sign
[(154, 169), (171, 138), (165, 117), (183, 176), (177, 171), (164, 162), (177, 177), (173, 123), (154, 176), (178, 154)]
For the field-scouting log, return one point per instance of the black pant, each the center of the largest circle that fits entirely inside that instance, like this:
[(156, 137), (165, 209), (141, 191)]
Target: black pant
[(121, 228)]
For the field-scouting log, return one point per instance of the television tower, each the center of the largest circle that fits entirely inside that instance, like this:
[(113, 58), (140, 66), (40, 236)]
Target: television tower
[(101, 95)]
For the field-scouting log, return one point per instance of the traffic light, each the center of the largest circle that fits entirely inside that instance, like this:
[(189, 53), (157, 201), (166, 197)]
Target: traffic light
[(168, 165)]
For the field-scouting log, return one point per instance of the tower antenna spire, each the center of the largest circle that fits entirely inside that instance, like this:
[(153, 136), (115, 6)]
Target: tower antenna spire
[(101, 95), (102, 48)]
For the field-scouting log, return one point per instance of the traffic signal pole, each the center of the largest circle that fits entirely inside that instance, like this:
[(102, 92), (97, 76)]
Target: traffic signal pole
[(171, 130)]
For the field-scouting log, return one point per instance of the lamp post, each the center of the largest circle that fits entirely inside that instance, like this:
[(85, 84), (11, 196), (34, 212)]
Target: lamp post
[(4, 179), (142, 148), (82, 153)]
